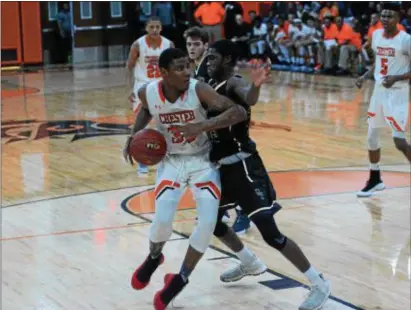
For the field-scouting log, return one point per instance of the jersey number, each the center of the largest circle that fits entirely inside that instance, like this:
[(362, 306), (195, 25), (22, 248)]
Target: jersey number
[(384, 66), (177, 138), (153, 71)]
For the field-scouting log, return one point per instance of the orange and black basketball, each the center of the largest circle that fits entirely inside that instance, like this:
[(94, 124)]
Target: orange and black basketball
[(148, 147)]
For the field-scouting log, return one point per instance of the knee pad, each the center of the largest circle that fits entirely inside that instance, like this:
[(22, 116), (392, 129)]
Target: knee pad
[(207, 210), (373, 138), (162, 226), (201, 236), (264, 220), (160, 231)]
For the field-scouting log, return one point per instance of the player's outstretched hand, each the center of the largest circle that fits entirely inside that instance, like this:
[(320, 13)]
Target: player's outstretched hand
[(388, 81), (126, 151), (260, 74)]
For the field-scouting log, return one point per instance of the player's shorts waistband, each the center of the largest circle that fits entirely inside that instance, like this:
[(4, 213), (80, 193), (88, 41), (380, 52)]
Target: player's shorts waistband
[(235, 158)]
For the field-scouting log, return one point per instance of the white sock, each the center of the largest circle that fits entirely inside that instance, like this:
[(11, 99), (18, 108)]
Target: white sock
[(375, 166), (313, 276), (245, 255)]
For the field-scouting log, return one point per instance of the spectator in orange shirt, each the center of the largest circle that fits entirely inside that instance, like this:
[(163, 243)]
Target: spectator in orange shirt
[(329, 44), (375, 24), (349, 39), (345, 39), (330, 9), (211, 16)]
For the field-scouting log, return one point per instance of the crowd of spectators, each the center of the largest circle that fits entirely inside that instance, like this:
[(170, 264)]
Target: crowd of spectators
[(330, 37)]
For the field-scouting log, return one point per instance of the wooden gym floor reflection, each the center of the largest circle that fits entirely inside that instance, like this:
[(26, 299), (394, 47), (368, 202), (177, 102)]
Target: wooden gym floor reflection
[(63, 178)]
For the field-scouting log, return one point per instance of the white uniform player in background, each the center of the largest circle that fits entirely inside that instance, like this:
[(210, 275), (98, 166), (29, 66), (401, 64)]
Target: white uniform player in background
[(172, 102), (390, 100), (142, 64)]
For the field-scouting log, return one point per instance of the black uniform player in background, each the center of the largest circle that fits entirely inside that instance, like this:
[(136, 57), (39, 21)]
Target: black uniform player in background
[(245, 181), (197, 45)]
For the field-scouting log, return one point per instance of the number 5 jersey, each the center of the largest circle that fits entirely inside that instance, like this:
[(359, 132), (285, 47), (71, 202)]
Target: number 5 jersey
[(392, 55)]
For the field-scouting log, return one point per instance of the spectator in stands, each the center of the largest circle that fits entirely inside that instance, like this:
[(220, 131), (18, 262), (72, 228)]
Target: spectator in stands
[(164, 10), (298, 34), (345, 39), (330, 9), (258, 38), (407, 21), (242, 35), (232, 9), (279, 42), (329, 47), (64, 26), (378, 8), (210, 15), (310, 42), (270, 18), (251, 15), (375, 24), (371, 7)]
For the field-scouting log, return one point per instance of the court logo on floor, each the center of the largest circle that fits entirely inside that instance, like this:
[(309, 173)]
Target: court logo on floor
[(14, 131)]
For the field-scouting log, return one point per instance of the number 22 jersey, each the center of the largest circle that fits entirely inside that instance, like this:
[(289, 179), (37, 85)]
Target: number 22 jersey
[(147, 69)]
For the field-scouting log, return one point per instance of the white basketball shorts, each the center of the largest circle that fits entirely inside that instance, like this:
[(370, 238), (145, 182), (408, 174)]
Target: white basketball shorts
[(389, 105)]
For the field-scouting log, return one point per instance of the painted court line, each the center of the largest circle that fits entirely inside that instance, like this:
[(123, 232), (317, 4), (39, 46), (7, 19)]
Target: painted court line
[(79, 231)]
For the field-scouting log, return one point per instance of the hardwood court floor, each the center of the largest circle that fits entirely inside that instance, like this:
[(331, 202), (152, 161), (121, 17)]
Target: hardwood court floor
[(76, 217)]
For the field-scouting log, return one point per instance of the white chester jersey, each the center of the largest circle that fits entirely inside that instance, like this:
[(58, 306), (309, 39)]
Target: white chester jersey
[(147, 69), (187, 109), (392, 55)]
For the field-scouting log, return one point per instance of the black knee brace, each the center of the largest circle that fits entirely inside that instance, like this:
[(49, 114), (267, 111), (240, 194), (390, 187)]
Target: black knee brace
[(264, 220), (221, 227)]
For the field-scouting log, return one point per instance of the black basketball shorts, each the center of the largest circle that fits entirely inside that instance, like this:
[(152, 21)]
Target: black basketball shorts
[(248, 185)]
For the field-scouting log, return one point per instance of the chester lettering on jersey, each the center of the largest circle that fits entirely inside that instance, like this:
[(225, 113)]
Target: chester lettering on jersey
[(151, 59), (386, 51), (177, 117)]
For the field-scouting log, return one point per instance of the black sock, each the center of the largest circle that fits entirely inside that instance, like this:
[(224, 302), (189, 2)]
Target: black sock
[(375, 175)]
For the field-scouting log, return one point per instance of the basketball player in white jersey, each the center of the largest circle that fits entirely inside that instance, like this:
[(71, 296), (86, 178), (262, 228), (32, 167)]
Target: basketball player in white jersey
[(389, 101), (174, 101), (142, 64)]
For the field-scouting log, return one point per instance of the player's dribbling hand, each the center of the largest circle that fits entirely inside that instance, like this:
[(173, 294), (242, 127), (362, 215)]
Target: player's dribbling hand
[(261, 74), (126, 153), (388, 81)]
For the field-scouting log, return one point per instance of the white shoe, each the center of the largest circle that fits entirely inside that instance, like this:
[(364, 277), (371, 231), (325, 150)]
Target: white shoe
[(317, 297), (370, 188), (255, 268)]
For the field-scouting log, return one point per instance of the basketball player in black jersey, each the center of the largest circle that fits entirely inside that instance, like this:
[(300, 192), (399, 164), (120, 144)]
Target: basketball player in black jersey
[(245, 181), (197, 44)]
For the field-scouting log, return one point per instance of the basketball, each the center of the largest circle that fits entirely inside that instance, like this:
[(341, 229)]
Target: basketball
[(148, 147)]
